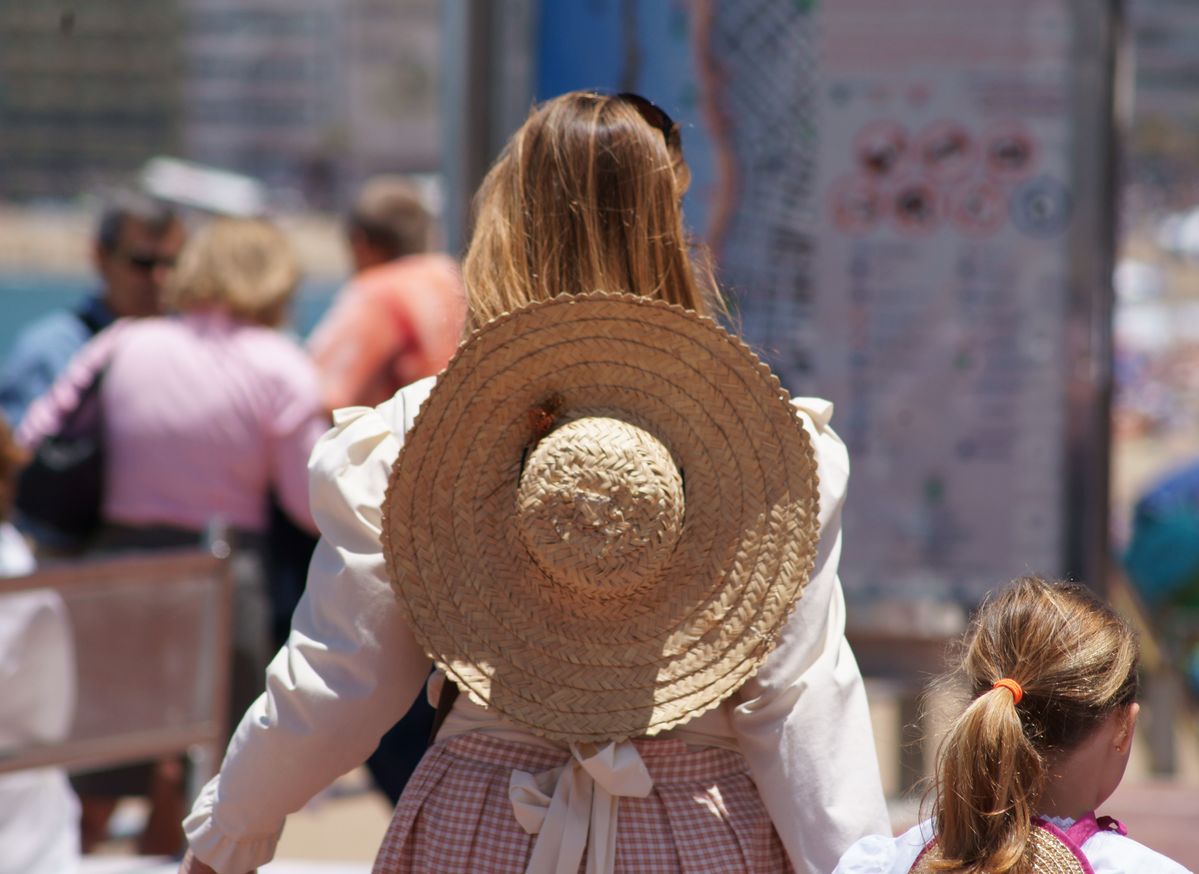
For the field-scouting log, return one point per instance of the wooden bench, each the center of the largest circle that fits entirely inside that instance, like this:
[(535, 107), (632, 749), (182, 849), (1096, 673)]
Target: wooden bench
[(151, 637)]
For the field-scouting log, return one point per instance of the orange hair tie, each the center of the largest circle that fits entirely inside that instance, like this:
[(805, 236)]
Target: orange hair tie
[(1012, 686)]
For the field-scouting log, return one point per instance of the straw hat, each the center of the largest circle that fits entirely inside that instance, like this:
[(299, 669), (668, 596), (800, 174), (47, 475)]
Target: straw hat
[(602, 517)]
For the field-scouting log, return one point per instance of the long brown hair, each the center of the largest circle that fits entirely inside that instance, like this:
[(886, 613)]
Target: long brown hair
[(586, 196), (1076, 662)]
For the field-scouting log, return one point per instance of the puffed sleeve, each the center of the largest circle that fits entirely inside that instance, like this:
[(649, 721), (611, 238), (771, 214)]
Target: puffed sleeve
[(882, 854), (802, 722), (350, 669)]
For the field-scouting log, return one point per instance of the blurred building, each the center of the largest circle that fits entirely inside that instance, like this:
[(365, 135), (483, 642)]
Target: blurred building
[(263, 87), (1166, 45), (308, 96), (393, 73), (1164, 147), (86, 91)]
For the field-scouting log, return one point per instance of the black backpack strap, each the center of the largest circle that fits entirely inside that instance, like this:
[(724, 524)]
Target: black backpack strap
[(445, 703), (86, 314)]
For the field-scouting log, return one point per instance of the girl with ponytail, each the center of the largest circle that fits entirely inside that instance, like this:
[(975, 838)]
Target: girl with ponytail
[(1044, 740)]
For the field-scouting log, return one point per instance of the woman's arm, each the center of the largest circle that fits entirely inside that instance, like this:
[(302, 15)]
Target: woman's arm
[(802, 721), (45, 415), (350, 668)]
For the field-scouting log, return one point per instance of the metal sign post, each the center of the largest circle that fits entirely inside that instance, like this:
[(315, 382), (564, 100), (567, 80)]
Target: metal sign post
[(486, 94)]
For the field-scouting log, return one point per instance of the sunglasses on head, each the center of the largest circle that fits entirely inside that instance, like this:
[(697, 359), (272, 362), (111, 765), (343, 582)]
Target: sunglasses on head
[(653, 114)]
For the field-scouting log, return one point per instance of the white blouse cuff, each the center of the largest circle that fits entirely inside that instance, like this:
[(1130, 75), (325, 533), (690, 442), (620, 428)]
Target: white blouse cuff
[(219, 850)]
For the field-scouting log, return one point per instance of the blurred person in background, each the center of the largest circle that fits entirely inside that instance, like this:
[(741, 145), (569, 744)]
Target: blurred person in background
[(137, 241), (39, 815), (209, 414), (1161, 561), (400, 317)]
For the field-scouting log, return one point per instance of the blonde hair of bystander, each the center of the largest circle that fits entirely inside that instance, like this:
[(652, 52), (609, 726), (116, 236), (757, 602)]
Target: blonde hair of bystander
[(587, 196), (245, 267), (1074, 661)]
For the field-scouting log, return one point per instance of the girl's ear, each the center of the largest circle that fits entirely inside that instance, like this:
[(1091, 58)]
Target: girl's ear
[(1128, 725)]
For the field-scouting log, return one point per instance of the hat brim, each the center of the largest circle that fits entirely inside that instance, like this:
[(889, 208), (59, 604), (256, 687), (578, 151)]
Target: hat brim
[(587, 668)]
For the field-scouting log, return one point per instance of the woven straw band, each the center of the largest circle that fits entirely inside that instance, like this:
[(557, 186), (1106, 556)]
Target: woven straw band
[(625, 563), (1047, 853)]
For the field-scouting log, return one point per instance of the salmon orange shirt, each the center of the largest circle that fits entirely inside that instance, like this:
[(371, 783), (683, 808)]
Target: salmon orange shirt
[(388, 327)]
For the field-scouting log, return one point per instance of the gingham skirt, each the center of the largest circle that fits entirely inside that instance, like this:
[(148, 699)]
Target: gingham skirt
[(703, 815)]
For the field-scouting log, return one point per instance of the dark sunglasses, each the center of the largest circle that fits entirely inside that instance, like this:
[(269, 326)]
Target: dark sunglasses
[(147, 263), (653, 114)]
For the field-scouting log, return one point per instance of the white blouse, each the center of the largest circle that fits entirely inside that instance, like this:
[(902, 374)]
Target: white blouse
[(39, 813), (1108, 853), (351, 668)]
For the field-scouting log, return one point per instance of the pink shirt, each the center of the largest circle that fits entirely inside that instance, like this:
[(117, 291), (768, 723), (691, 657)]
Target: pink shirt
[(390, 326), (203, 415)]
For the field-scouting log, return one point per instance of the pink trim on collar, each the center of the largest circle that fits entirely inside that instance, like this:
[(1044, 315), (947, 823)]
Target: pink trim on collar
[(1087, 826)]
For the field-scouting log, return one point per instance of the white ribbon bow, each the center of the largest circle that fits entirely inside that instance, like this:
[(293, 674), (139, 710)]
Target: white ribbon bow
[(584, 800)]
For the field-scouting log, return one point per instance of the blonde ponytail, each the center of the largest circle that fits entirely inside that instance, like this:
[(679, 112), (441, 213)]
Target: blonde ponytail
[(988, 782), (1075, 662)]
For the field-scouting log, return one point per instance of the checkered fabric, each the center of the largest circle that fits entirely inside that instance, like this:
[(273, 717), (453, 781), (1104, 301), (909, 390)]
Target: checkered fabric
[(703, 815)]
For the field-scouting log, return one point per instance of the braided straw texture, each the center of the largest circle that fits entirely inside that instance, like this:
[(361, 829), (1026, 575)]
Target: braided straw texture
[(1049, 856), (636, 654), (600, 507)]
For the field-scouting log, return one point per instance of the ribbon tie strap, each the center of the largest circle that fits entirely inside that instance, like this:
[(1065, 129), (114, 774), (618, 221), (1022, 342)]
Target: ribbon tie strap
[(583, 802)]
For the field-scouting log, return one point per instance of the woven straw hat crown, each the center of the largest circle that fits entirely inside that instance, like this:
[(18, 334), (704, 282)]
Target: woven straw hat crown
[(602, 517), (600, 506)]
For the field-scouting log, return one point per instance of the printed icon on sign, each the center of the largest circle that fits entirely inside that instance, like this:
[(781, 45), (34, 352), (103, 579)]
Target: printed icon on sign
[(918, 94), (978, 208), (856, 205), (1009, 152), (1041, 207), (947, 150), (880, 94), (880, 146), (915, 207)]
